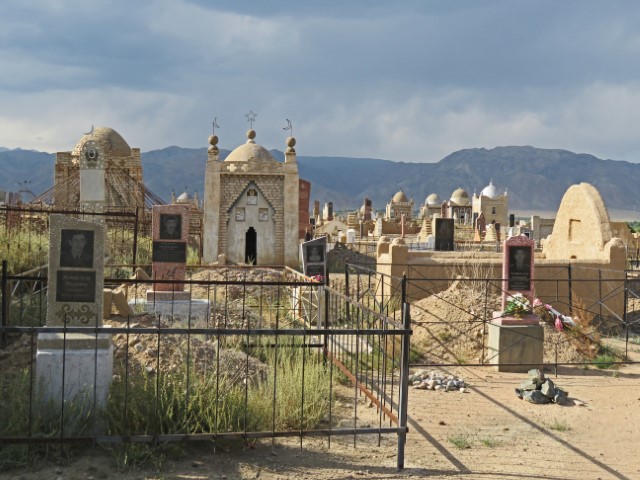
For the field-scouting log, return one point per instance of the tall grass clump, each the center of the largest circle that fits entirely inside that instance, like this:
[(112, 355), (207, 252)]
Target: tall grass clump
[(24, 248), (215, 401), (25, 417)]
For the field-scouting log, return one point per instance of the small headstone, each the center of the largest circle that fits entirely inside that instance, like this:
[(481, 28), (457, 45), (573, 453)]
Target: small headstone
[(481, 224), (170, 225), (76, 265), (367, 209), (517, 269), (444, 230), (314, 258)]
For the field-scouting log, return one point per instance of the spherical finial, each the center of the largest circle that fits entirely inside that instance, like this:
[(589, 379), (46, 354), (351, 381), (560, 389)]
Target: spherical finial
[(213, 140), (291, 142), (251, 134)]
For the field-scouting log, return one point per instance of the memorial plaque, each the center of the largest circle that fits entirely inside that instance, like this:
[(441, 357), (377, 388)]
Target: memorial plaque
[(76, 286), (315, 270), (169, 252)]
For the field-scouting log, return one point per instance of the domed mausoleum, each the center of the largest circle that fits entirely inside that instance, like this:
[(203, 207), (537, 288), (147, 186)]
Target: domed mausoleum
[(124, 186), (493, 205), (398, 205), (251, 205)]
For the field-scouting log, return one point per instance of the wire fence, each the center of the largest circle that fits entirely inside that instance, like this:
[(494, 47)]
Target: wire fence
[(452, 319)]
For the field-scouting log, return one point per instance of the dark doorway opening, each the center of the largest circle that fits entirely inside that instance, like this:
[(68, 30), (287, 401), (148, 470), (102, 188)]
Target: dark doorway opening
[(251, 247)]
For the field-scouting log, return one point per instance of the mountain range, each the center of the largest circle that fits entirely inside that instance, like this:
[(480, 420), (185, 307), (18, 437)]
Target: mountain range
[(535, 178)]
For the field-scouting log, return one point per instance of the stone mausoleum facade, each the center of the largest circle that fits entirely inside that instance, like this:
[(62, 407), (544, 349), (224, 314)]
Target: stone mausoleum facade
[(251, 205)]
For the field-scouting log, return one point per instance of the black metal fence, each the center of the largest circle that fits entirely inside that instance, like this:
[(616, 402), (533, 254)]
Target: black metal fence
[(263, 353)]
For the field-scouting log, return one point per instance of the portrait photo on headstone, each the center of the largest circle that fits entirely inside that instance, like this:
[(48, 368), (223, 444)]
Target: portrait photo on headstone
[(170, 226), (252, 196), (315, 253), (76, 248)]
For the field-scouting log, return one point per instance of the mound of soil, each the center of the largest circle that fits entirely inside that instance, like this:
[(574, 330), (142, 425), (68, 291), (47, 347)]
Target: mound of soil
[(452, 327)]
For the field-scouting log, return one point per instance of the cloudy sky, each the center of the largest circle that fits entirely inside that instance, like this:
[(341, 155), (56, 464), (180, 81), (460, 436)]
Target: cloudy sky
[(406, 80)]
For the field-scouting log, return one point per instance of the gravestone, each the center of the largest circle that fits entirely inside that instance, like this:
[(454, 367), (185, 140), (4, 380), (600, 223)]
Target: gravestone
[(516, 343), (444, 230), (76, 266), (304, 191), (70, 365), (368, 205), (517, 267), (314, 258), (170, 234), (481, 224)]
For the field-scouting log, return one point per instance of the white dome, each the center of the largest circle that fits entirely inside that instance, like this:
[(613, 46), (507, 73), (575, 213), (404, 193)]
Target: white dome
[(460, 197), (400, 197), (250, 151), (489, 191), (433, 200)]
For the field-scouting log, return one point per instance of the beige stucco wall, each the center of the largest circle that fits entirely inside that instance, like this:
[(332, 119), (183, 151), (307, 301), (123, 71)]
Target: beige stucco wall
[(431, 272)]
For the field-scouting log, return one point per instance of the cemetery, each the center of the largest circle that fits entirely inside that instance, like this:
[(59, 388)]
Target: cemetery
[(134, 324)]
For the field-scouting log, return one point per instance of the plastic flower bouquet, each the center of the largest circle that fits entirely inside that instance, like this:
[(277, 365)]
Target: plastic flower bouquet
[(517, 305)]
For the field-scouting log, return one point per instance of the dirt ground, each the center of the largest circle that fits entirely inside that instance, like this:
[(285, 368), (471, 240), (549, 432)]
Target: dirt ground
[(486, 433)]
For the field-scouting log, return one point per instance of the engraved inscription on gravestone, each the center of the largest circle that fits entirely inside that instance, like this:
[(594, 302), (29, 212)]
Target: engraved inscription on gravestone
[(172, 252), (76, 286), (76, 248)]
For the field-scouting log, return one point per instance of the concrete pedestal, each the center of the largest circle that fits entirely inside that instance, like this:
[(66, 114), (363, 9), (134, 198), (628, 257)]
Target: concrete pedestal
[(74, 365), (515, 341)]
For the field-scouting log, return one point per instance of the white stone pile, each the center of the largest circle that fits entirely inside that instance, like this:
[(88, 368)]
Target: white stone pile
[(434, 380)]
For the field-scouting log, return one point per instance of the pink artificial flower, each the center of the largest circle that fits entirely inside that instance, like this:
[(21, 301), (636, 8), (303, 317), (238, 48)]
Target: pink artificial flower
[(548, 307), (536, 302), (559, 326)]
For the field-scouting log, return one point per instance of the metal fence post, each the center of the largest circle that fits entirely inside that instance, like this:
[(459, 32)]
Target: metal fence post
[(624, 315), (5, 302), (403, 400), (135, 238)]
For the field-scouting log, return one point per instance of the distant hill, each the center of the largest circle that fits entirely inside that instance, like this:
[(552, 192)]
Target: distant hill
[(535, 178)]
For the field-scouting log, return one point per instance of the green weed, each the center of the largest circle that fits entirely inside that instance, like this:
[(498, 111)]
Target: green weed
[(460, 441)]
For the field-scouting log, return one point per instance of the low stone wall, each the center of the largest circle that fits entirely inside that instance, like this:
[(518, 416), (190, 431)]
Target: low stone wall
[(560, 282)]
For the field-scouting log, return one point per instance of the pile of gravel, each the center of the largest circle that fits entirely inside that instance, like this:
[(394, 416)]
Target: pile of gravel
[(425, 380), (540, 390)]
